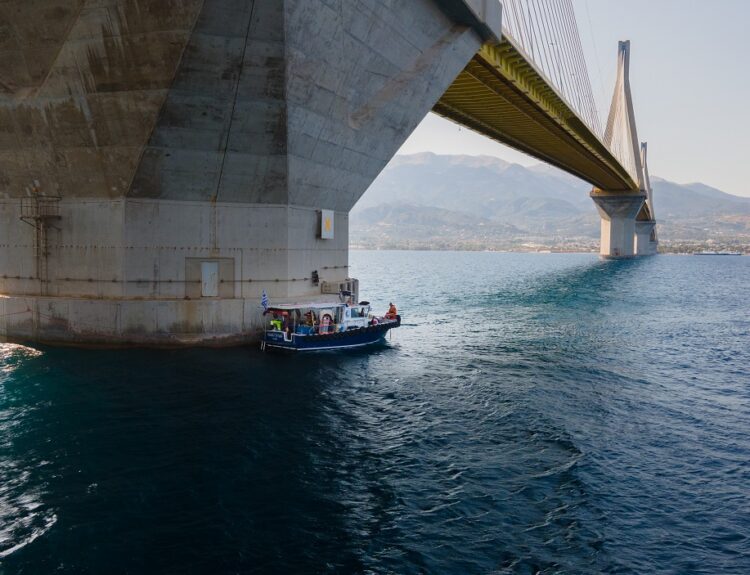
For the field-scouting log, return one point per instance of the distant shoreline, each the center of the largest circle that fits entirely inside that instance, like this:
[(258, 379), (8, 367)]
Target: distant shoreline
[(541, 251)]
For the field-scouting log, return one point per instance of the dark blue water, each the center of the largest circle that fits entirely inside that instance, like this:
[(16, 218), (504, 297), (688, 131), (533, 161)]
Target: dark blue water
[(535, 414)]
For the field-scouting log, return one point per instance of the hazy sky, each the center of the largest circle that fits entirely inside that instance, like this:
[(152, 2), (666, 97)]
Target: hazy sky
[(690, 78)]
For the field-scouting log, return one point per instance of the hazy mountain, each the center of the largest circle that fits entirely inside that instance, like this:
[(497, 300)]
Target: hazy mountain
[(401, 223), (694, 200), (480, 185), (427, 196)]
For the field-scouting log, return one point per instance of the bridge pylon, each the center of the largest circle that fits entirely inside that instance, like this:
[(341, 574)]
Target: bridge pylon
[(619, 208), (646, 240)]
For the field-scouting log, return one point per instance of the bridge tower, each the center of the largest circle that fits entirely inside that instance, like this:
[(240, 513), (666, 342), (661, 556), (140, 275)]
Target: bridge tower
[(646, 241), (619, 208)]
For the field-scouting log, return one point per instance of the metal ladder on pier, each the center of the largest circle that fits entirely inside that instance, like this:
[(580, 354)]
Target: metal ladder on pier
[(41, 212)]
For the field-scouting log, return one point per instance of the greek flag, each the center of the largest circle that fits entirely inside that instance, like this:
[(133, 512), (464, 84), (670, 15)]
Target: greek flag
[(264, 300)]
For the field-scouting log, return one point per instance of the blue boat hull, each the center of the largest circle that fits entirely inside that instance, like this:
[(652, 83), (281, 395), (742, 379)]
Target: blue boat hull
[(351, 339)]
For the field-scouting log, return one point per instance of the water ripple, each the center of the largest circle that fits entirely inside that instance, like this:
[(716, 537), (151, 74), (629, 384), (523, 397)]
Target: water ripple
[(540, 415)]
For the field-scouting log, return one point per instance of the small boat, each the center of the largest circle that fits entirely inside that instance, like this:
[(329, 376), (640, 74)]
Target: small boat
[(325, 326)]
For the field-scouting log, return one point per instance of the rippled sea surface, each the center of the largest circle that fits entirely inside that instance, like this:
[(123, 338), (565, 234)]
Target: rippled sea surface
[(534, 414)]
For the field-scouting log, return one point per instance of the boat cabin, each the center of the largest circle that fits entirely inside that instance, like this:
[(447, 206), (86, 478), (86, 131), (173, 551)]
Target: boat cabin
[(317, 318), (324, 326)]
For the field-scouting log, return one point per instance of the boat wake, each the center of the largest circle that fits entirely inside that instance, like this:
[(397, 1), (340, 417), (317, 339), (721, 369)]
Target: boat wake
[(35, 534)]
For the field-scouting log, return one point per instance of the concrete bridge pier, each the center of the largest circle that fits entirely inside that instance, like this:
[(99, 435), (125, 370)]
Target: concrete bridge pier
[(618, 231), (645, 241), (163, 164)]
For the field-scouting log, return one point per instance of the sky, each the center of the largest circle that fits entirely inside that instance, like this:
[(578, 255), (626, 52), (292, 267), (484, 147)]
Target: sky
[(690, 80)]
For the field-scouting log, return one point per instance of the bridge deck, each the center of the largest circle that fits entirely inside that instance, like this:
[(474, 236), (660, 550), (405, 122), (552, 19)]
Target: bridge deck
[(502, 95)]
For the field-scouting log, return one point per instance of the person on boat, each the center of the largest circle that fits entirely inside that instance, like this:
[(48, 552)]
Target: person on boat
[(392, 312), (326, 323)]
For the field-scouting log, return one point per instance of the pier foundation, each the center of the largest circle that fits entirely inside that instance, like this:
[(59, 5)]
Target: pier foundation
[(197, 153), (618, 212), (645, 241)]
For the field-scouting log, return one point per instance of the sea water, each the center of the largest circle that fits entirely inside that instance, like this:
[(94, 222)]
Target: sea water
[(533, 414)]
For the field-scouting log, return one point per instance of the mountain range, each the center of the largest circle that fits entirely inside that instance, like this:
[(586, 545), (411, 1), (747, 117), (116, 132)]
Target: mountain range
[(483, 202)]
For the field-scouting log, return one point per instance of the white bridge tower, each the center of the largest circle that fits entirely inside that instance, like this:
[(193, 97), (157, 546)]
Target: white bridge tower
[(619, 209)]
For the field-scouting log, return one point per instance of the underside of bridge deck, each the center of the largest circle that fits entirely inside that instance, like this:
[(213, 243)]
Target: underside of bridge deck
[(502, 95)]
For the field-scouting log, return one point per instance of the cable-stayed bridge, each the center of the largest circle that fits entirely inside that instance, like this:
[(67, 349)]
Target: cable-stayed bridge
[(162, 164), (530, 89)]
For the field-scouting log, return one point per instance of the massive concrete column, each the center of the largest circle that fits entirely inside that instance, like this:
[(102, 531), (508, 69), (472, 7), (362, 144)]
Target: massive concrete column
[(618, 212), (646, 238), (645, 241), (619, 208), (176, 158)]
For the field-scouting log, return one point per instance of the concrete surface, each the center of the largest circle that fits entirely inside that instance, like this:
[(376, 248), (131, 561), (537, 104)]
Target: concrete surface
[(618, 212), (645, 239), (176, 132)]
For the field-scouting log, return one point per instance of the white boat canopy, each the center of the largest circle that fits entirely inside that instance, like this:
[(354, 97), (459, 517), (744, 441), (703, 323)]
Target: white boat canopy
[(312, 305)]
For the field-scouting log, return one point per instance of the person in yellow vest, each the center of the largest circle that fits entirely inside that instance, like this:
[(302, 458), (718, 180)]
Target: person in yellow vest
[(392, 312)]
